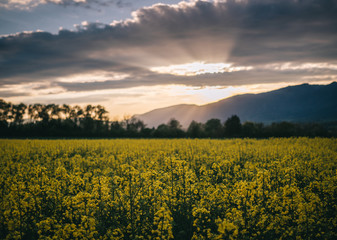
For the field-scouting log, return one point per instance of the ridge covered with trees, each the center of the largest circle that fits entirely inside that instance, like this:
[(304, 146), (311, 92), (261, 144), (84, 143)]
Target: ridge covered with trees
[(65, 121)]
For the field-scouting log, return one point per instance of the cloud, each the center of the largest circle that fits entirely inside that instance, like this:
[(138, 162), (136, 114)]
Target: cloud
[(29, 4), (237, 78), (246, 33), (80, 99), (6, 94)]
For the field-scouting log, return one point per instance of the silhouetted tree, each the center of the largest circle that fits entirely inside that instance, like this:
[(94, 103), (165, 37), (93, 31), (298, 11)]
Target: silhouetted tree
[(89, 111), (174, 124), (147, 132), (315, 129), (233, 126), (101, 113), (76, 113), (116, 129), (162, 131), (53, 120), (4, 110), (195, 130), (213, 128), (43, 112), (175, 130), (282, 129), (65, 110), (33, 112), (53, 111), (251, 129), (134, 126), (18, 112)]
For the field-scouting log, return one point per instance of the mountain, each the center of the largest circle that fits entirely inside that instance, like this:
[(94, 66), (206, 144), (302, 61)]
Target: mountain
[(301, 103)]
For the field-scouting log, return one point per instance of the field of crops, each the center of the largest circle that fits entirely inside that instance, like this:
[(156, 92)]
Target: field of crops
[(168, 189)]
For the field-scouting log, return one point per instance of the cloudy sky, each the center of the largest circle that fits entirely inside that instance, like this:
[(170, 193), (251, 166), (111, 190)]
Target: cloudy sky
[(134, 56)]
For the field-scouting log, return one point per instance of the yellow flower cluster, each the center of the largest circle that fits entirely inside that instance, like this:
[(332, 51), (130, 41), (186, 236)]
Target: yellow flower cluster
[(168, 189)]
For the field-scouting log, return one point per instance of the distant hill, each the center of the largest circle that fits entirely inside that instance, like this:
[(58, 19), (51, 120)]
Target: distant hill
[(301, 103)]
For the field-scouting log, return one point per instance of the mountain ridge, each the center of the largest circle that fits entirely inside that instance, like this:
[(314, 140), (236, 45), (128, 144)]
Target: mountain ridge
[(299, 103)]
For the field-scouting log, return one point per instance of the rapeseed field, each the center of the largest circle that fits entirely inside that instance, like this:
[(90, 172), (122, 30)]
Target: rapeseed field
[(168, 189)]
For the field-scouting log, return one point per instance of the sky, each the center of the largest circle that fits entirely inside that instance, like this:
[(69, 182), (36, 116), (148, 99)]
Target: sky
[(135, 56)]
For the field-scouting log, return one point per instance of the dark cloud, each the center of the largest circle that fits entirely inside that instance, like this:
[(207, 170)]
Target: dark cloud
[(245, 33), (95, 4), (6, 94), (257, 76)]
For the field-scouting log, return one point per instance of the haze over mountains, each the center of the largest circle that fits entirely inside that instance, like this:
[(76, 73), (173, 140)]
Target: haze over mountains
[(301, 103)]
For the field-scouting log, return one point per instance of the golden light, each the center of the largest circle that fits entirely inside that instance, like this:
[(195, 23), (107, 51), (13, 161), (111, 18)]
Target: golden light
[(96, 76), (192, 69)]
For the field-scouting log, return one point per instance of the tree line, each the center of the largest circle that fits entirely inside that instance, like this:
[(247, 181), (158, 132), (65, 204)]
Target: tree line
[(91, 121)]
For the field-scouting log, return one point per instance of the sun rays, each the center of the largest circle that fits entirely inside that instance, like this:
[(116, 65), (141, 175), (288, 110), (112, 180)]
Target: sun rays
[(197, 68)]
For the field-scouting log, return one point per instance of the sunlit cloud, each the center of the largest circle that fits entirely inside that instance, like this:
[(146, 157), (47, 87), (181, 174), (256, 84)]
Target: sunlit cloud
[(197, 68), (35, 89), (95, 76), (321, 78), (300, 66)]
